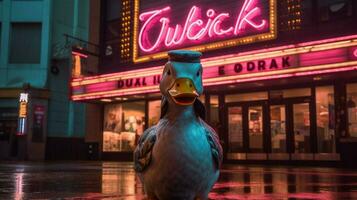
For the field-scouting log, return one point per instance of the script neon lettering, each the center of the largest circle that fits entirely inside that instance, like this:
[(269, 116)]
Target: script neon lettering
[(195, 28), (194, 24), (149, 17), (246, 15), (215, 28), (174, 36)]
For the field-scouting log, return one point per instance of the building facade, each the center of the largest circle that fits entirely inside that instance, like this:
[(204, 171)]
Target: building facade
[(279, 76), (35, 60)]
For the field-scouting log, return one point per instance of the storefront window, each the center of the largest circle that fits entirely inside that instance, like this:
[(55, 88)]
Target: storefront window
[(352, 109), (123, 125), (154, 112), (246, 97), (325, 119)]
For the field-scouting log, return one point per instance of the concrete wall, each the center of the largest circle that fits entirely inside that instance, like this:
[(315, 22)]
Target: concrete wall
[(57, 17), (14, 75), (66, 119)]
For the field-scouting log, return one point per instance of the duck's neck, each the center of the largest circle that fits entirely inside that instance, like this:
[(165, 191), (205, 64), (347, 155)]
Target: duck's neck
[(176, 112)]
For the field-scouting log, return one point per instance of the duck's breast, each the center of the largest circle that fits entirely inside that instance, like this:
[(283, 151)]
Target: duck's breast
[(182, 158)]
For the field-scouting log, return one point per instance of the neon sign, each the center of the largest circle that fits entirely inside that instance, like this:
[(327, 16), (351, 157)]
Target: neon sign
[(23, 100), (202, 27), (309, 58), (255, 66)]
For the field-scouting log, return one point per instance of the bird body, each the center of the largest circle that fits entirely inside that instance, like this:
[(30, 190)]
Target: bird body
[(182, 161), (179, 158)]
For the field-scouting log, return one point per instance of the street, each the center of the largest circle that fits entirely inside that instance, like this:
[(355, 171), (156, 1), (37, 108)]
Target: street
[(113, 180)]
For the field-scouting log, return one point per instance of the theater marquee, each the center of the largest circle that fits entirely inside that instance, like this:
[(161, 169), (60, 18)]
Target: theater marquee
[(302, 59), (202, 25)]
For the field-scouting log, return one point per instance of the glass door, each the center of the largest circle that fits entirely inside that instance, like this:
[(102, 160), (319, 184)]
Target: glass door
[(235, 129), (255, 131), (278, 128), (247, 128), (301, 127)]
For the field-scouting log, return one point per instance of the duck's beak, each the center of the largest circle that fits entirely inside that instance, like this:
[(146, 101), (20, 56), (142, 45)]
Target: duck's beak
[(183, 92)]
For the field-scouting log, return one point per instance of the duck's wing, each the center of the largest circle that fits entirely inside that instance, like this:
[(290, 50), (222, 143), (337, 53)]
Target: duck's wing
[(142, 153), (216, 148)]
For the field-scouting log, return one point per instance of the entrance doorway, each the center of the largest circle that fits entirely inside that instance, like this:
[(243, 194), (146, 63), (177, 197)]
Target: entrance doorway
[(247, 127), (290, 126), (282, 128)]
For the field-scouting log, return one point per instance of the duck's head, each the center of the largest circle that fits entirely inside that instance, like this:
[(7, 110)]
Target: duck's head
[(181, 82)]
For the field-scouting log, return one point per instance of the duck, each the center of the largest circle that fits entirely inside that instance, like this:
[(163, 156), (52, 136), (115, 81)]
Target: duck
[(180, 157)]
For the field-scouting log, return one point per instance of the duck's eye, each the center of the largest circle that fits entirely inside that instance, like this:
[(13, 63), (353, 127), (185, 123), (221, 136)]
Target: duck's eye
[(198, 73), (168, 72)]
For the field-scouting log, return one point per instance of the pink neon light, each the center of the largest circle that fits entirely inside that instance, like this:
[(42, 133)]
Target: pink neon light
[(193, 17), (286, 47), (79, 54), (174, 39), (150, 20), (116, 94), (242, 67), (246, 15), (323, 57), (349, 37), (105, 86), (297, 74), (355, 53), (215, 27), (194, 28), (326, 71)]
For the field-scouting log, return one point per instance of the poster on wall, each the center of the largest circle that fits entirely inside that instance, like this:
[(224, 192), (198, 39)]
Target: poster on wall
[(112, 118), (112, 127), (123, 125)]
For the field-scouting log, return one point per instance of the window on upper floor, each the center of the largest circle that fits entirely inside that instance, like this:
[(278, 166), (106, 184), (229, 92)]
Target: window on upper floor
[(332, 10), (0, 34), (113, 8), (117, 25), (295, 15), (25, 43)]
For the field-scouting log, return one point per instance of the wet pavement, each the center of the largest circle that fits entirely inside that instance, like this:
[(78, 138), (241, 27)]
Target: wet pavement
[(109, 180)]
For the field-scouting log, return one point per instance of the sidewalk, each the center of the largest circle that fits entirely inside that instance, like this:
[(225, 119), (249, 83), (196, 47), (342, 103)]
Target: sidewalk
[(110, 180)]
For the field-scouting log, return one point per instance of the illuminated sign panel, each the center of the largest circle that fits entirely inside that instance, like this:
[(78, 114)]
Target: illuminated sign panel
[(355, 53), (254, 66), (23, 110), (23, 105), (160, 26), (23, 101), (308, 58)]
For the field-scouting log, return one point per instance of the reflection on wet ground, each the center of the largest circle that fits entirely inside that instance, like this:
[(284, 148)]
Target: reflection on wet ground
[(108, 180)]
